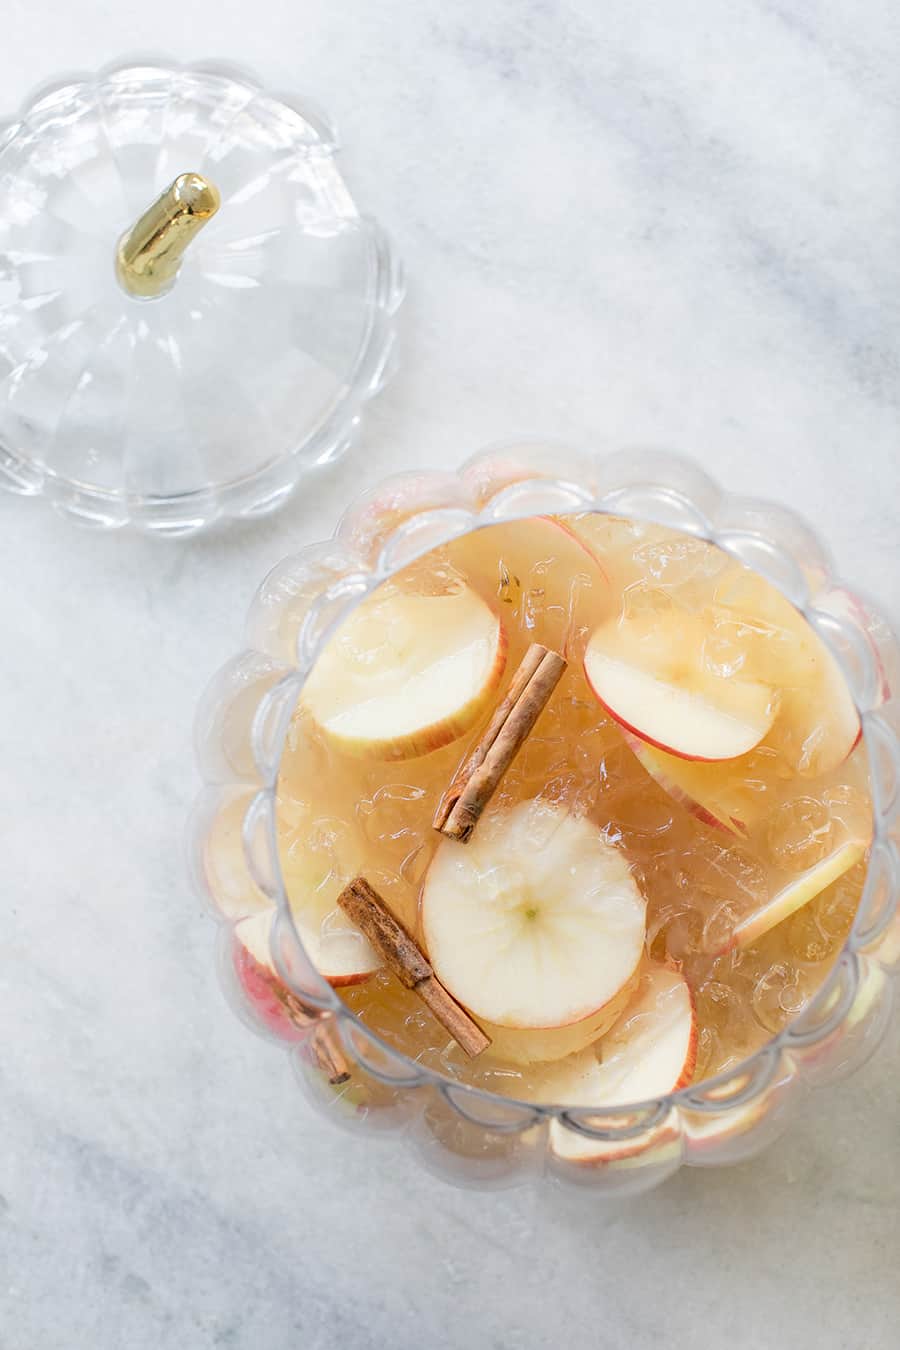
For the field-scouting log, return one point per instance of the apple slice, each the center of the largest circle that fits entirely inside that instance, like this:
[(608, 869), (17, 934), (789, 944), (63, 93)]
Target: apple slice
[(527, 1045), (272, 1001), (655, 556), (844, 605), (275, 1007), (649, 673), (713, 1138), (339, 951), (536, 926), (796, 894), (407, 673), (650, 1051), (713, 793), (817, 725), (319, 852), (538, 573)]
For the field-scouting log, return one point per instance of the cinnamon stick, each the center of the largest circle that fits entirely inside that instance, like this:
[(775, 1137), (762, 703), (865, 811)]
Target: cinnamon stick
[(528, 666), (365, 907), (329, 1058), (479, 777)]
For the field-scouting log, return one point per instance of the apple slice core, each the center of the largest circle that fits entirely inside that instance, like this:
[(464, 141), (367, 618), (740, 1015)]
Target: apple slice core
[(535, 924), (406, 673)]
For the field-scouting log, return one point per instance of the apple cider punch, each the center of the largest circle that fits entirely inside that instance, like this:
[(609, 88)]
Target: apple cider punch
[(573, 809)]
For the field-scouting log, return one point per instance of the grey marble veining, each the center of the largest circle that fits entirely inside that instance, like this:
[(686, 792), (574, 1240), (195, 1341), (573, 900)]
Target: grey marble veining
[(660, 223)]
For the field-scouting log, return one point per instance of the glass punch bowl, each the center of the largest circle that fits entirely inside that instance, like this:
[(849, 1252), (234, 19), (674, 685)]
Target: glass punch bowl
[(212, 400), (465, 1134)]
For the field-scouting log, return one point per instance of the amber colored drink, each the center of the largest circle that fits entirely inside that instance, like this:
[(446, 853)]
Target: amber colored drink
[(749, 866)]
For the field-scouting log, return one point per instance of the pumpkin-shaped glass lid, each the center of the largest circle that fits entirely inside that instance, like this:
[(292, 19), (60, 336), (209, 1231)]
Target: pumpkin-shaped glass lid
[(192, 308)]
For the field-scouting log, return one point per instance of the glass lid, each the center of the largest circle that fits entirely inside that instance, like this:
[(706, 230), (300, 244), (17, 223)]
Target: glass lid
[(192, 308)]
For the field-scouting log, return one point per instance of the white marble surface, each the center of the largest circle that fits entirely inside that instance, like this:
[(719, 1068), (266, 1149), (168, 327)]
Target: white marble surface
[(676, 223)]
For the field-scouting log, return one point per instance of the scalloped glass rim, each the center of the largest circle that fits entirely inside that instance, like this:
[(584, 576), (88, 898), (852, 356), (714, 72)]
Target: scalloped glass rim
[(661, 498), (268, 484)]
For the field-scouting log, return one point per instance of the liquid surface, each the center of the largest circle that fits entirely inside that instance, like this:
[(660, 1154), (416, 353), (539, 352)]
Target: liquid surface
[(343, 814)]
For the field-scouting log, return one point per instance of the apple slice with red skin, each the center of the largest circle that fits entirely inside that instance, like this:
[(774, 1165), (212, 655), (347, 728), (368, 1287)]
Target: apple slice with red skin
[(536, 926), (712, 1138), (844, 605), (649, 1052), (709, 791), (352, 960), (795, 894), (336, 948), (540, 575), (648, 672), (272, 1002), (407, 673), (276, 1008), (817, 725)]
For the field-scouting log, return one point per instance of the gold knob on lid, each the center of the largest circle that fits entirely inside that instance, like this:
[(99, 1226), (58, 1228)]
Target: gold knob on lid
[(149, 255)]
